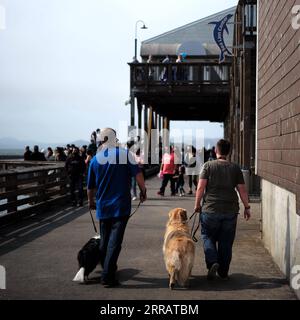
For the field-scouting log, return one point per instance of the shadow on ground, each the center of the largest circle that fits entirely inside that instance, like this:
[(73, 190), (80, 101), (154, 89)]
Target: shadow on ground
[(237, 281), (31, 228)]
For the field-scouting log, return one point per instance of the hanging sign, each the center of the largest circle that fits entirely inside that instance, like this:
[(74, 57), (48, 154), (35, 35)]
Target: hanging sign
[(218, 33)]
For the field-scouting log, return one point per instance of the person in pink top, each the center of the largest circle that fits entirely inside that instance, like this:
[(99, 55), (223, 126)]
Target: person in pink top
[(167, 169)]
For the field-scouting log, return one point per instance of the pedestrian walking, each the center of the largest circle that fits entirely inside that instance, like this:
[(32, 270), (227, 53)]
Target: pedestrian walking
[(217, 186), (180, 181), (192, 163), (168, 170), (76, 169), (108, 186)]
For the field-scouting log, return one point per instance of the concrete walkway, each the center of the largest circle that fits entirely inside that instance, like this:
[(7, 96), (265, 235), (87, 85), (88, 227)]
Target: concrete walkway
[(40, 253)]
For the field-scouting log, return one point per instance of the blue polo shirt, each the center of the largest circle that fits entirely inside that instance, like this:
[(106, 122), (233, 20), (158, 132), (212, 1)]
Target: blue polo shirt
[(110, 174)]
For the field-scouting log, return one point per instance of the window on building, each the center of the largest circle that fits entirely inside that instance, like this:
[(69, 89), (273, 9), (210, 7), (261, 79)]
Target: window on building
[(250, 19)]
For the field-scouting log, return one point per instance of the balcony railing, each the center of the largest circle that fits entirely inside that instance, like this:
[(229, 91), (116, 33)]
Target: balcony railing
[(157, 74)]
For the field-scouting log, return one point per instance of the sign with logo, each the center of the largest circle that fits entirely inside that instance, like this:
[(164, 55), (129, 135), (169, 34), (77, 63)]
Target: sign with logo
[(218, 33)]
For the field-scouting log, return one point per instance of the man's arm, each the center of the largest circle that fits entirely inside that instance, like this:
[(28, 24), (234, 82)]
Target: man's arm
[(91, 188), (199, 194), (141, 183), (244, 197)]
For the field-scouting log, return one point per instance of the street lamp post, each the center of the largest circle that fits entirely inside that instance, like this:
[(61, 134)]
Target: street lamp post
[(132, 110), (135, 39)]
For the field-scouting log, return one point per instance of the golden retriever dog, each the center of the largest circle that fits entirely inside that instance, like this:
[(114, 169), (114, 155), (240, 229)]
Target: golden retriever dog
[(178, 248)]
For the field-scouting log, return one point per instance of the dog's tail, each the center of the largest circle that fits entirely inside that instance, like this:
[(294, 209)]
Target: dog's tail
[(185, 270), (79, 277), (173, 264), (175, 260)]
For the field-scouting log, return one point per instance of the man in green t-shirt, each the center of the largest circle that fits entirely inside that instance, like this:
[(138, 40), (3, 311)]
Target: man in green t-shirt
[(217, 186)]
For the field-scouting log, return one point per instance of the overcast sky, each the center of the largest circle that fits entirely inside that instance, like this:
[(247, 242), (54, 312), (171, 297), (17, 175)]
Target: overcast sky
[(63, 63)]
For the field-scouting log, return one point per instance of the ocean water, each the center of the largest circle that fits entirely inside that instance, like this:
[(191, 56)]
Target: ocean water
[(11, 152)]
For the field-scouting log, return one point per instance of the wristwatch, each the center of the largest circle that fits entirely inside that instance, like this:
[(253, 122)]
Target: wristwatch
[(247, 208)]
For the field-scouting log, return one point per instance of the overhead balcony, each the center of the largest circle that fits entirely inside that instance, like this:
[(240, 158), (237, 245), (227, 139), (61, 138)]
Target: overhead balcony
[(183, 91)]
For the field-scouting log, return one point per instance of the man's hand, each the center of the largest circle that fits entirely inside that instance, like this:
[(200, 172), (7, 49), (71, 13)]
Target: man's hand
[(143, 195), (247, 214), (92, 205), (197, 209)]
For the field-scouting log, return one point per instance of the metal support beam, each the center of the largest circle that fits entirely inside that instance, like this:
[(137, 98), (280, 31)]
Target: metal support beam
[(166, 123), (145, 118), (166, 135), (150, 126), (132, 111), (159, 122), (139, 107), (154, 125)]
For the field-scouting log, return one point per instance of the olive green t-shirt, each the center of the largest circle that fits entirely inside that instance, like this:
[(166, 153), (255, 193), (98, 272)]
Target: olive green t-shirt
[(220, 194)]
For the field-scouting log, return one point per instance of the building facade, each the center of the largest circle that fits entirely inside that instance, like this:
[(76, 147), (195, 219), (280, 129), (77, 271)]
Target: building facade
[(240, 124), (278, 130)]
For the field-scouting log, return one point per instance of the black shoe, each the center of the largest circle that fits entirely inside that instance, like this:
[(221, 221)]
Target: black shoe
[(110, 284), (212, 272), (160, 193), (223, 276), (80, 203), (190, 192)]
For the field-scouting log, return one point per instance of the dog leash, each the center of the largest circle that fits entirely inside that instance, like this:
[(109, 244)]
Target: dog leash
[(95, 228), (136, 209), (193, 230)]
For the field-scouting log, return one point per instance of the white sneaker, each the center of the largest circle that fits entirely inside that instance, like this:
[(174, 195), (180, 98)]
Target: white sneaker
[(211, 275), (133, 198)]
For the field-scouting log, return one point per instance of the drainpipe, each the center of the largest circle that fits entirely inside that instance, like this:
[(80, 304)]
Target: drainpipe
[(256, 117), (256, 113)]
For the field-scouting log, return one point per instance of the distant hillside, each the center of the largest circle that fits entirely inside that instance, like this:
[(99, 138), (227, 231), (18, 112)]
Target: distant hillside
[(208, 142), (12, 143)]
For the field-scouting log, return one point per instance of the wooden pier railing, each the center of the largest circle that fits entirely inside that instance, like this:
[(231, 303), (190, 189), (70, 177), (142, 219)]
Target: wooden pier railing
[(26, 185)]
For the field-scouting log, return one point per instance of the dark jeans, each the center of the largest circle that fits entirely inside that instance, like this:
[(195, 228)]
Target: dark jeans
[(218, 233), (76, 183), (112, 232), (180, 183), (165, 181), (193, 179), (133, 186)]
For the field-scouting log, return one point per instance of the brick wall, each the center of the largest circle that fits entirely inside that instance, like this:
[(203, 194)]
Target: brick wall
[(279, 96)]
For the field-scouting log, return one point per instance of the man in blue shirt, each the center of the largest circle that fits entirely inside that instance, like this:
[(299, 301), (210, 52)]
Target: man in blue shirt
[(108, 184)]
